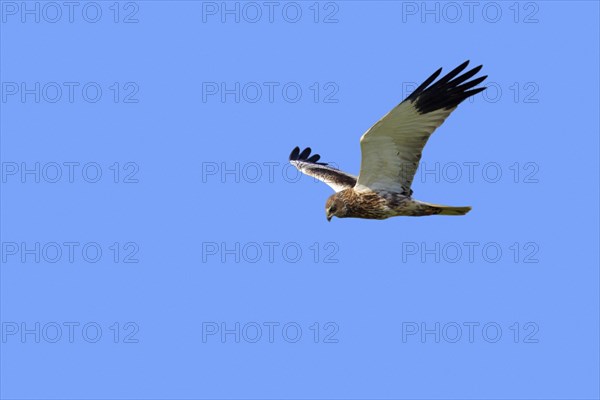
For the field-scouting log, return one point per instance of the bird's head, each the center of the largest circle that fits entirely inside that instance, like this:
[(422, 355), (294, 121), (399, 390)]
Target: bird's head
[(335, 206)]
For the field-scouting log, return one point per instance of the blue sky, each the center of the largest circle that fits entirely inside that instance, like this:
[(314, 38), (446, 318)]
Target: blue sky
[(156, 243)]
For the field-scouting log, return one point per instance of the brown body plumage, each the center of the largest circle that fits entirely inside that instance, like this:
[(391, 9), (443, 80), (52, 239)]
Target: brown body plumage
[(381, 205)]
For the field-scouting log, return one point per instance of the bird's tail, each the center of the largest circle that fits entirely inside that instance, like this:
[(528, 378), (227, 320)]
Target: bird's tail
[(448, 210)]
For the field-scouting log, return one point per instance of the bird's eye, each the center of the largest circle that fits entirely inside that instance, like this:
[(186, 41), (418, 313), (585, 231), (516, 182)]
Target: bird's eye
[(332, 209)]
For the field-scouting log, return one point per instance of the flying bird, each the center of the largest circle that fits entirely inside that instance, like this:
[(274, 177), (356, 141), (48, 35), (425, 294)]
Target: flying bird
[(391, 150)]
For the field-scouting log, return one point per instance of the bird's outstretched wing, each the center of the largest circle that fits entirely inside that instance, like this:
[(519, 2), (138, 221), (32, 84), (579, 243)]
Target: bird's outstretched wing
[(391, 149), (336, 179)]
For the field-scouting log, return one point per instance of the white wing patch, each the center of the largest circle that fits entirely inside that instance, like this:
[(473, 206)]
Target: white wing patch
[(334, 178), (392, 148)]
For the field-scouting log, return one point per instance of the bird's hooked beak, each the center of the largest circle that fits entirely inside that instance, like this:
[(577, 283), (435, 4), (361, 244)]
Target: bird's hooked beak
[(329, 218)]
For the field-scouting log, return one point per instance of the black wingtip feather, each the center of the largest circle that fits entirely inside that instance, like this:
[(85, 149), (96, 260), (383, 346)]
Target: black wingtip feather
[(450, 75), (466, 75), (448, 92), (423, 85), (296, 155), (304, 154)]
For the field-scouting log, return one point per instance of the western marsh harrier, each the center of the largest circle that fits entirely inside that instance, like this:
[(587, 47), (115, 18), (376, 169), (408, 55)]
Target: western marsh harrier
[(391, 151)]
